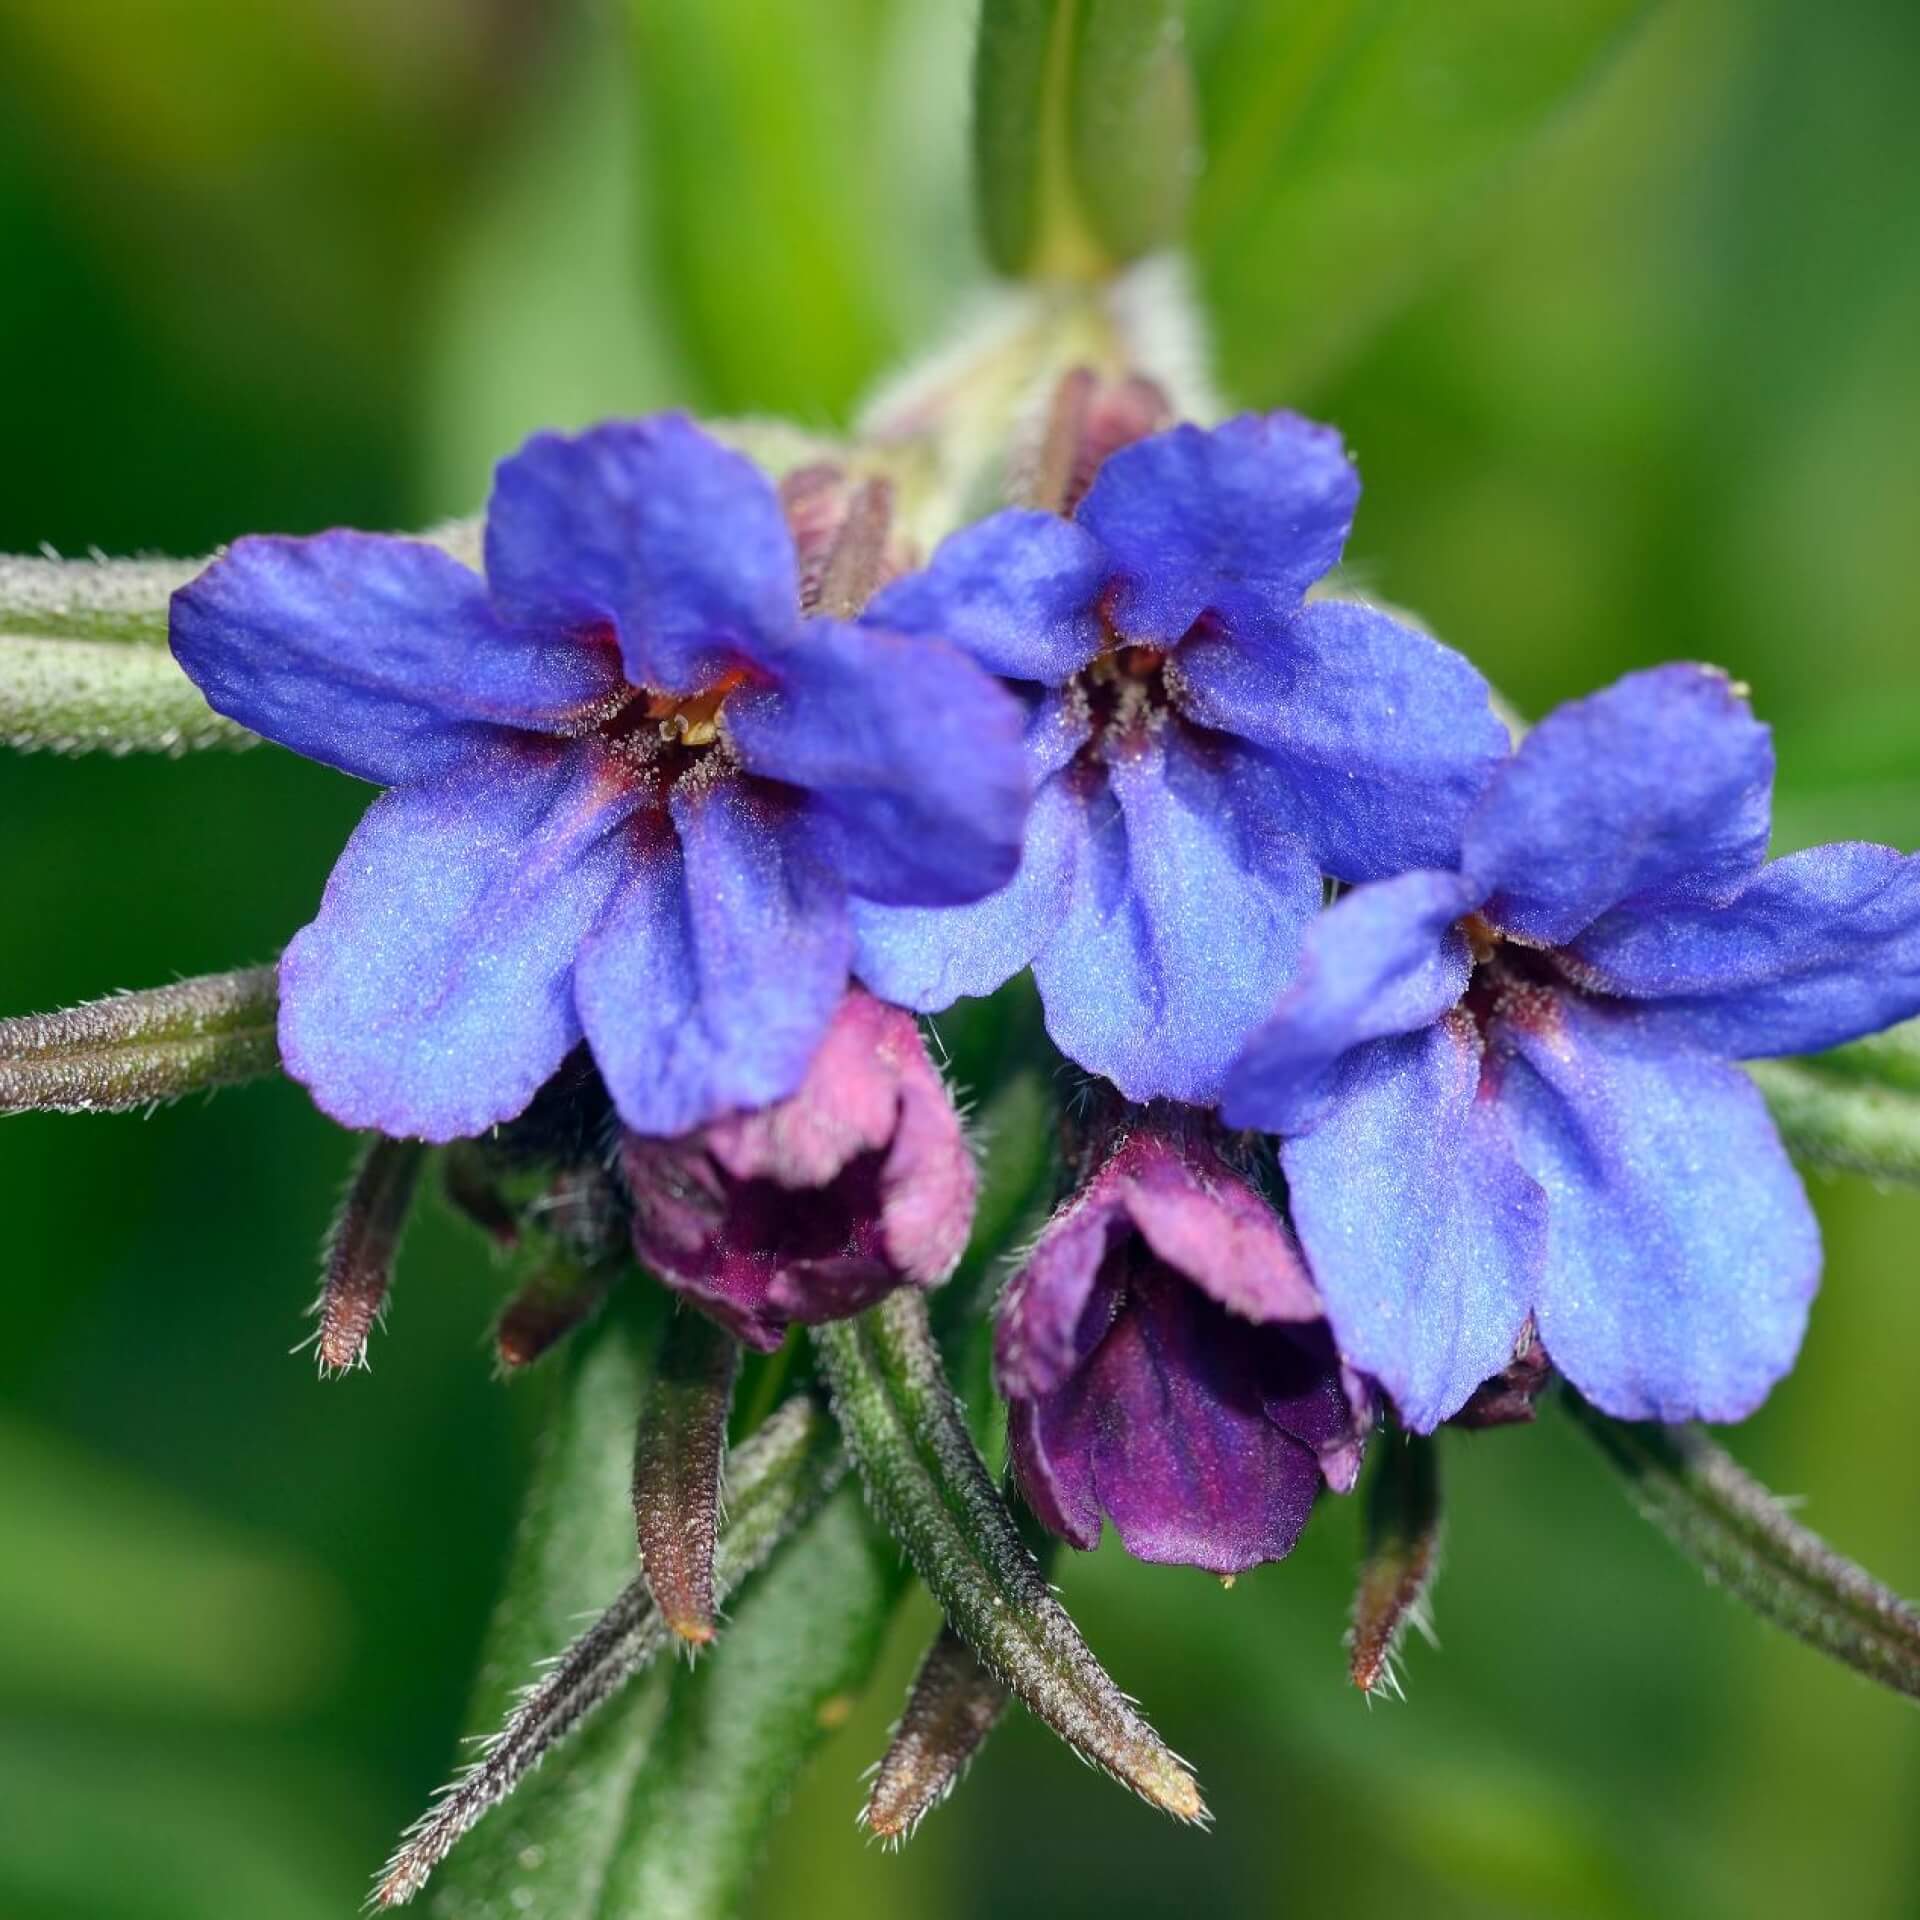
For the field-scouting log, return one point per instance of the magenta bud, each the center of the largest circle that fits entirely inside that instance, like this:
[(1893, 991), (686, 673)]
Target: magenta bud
[(1168, 1362), (821, 1204)]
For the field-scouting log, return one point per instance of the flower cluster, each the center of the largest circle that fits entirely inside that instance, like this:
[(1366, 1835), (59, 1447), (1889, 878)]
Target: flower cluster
[(709, 775)]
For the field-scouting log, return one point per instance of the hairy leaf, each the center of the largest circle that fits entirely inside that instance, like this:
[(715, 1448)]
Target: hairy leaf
[(1829, 1120), (929, 1487), (1745, 1540), (133, 1049)]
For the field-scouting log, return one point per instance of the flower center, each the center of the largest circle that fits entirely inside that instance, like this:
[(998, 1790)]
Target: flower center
[(664, 736), (693, 720), (1520, 984)]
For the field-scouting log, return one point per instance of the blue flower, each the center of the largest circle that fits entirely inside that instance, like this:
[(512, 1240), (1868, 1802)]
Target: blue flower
[(631, 790), (1506, 1090), (1204, 744)]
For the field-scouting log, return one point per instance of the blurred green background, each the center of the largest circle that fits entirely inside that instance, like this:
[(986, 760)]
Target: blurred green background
[(1642, 383)]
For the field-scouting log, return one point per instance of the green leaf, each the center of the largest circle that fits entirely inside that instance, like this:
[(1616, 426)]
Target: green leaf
[(1347, 142), (134, 1049), (103, 696), (742, 1722), (573, 1550), (1131, 124), (927, 1484), (1083, 144), (1852, 1125), (1743, 1539), (91, 599), (1018, 42), (1890, 1059), (544, 1848), (1402, 1555)]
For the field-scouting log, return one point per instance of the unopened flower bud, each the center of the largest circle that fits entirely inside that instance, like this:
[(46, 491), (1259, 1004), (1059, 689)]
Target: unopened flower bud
[(1168, 1363), (821, 1204)]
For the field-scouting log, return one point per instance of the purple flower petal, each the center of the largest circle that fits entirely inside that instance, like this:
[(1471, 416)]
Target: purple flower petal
[(380, 657), (1424, 1236), (1017, 590), (1682, 1254), (1382, 960), (821, 1204), (1187, 909), (927, 958), (1056, 1309), (1238, 521), (706, 987), (1653, 793), (434, 992), (1200, 1218), (870, 1089), (653, 530), (1384, 737), (912, 755), (1823, 947), (1167, 1428), (1192, 1212)]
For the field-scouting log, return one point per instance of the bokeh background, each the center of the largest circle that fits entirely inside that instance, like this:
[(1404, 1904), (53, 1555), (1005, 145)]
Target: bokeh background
[(1619, 306)]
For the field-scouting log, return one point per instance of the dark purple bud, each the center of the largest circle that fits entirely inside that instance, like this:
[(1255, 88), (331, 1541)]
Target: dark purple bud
[(820, 1205), (1507, 1400), (1168, 1363)]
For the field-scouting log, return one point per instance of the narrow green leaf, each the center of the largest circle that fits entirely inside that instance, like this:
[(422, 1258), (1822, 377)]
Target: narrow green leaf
[(678, 1453), (1131, 124), (742, 1723), (1017, 41), (361, 1250), (101, 696), (1083, 134), (928, 1485), (90, 599), (1890, 1059), (1829, 1120), (574, 1547), (780, 1477), (1402, 1555), (1348, 142), (134, 1049), (1743, 1539)]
